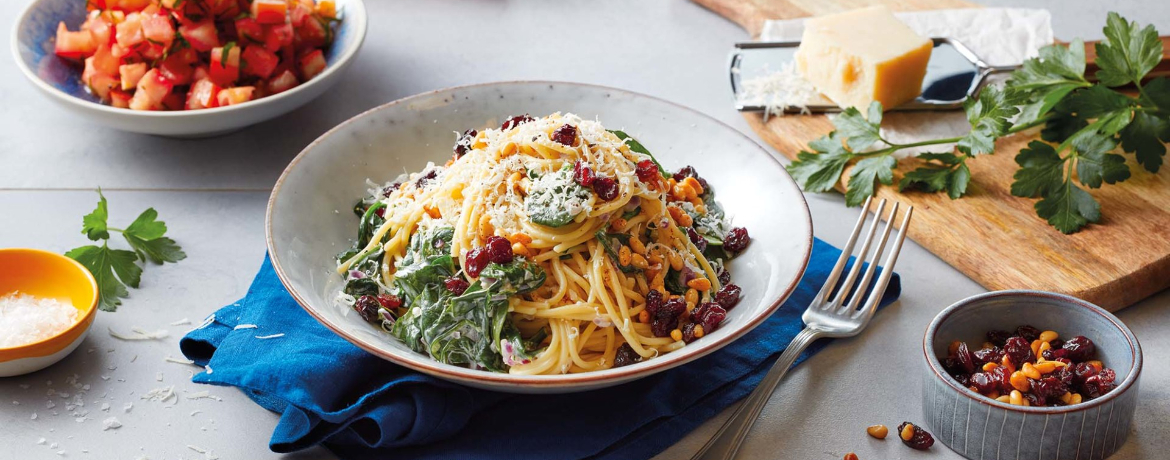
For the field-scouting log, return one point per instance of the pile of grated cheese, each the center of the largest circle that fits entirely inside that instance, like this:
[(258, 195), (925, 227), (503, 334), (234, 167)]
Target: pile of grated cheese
[(26, 319), (778, 91)]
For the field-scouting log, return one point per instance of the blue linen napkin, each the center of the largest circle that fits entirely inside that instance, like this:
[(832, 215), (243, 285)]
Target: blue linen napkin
[(331, 392)]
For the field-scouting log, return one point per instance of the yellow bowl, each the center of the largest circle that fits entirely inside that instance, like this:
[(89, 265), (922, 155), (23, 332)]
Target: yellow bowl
[(46, 274)]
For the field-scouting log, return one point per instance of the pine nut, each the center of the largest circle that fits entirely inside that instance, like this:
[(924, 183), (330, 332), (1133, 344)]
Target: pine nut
[(1046, 367), (521, 238), (1036, 347), (520, 249), (694, 185), (1004, 399), (907, 432), (617, 224), (432, 211), (1019, 381), (637, 246), (509, 149), (676, 335), (1016, 398), (698, 331), (676, 261), (1006, 362), (700, 284), (1030, 371), (639, 261), (878, 431), (624, 257), (692, 296), (1048, 336), (1066, 398), (989, 366), (1075, 399), (1043, 346), (644, 317), (1097, 364)]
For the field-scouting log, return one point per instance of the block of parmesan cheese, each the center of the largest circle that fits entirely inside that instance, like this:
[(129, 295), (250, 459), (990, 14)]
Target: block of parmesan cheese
[(863, 55)]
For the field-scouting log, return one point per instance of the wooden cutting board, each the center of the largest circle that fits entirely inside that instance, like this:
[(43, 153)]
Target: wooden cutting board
[(990, 235)]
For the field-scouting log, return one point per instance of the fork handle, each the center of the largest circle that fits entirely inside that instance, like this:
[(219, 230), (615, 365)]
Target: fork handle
[(727, 440)]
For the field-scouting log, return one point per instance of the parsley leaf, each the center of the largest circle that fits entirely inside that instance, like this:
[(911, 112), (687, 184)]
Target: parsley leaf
[(1128, 53), (860, 131), (1140, 137), (93, 225), (1068, 208), (114, 269), (953, 176), (861, 178), (1094, 165), (819, 171), (1041, 170), (988, 114)]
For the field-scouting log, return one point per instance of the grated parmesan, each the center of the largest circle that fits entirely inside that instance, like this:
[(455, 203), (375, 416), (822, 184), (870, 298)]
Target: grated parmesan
[(111, 423), (778, 91), (26, 319), (139, 334)]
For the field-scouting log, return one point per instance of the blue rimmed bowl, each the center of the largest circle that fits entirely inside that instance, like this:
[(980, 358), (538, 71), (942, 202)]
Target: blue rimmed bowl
[(34, 36), (978, 427)]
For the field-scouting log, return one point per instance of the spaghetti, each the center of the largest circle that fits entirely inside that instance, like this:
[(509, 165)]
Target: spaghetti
[(546, 246)]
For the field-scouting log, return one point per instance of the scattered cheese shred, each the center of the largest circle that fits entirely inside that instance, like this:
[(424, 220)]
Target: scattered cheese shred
[(778, 91), (111, 423), (139, 334), (245, 326), (181, 322), (273, 336), (178, 360), (203, 395), (160, 394)]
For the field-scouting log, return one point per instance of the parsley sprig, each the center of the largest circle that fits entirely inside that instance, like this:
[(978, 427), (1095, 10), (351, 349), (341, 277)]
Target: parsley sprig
[(1084, 125), (114, 269)]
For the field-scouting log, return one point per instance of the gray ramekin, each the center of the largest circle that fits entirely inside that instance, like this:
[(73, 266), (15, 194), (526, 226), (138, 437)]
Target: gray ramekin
[(978, 427)]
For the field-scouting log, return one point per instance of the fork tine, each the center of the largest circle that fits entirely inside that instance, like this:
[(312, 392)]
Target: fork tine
[(883, 280), (855, 299), (847, 286), (846, 250)]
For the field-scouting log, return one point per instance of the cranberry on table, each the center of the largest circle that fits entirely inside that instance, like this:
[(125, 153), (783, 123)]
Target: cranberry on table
[(499, 249), (737, 239), (914, 436), (477, 259)]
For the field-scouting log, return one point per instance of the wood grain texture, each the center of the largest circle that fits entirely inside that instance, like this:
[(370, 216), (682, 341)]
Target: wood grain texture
[(990, 235)]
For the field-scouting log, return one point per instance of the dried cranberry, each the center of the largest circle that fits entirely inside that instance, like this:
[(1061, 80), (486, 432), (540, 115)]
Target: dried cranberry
[(1056, 343), (688, 332), (515, 121), (728, 295), (724, 277), (387, 190), (380, 212), (710, 315), (464, 143), (390, 301), (367, 307), (626, 356), (963, 379), (1079, 348), (1049, 387), (456, 285), (422, 181), (1028, 332), (988, 355), (984, 383), (1052, 354), (697, 239), (1035, 400), (998, 337), (582, 175), (920, 440), (477, 259), (665, 317), (1001, 376), (688, 171), (1099, 384), (499, 249), (737, 239), (653, 301), (1082, 371), (606, 188), (566, 135), (646, 170), (1019, 351), (963, 354), (1065, 374)]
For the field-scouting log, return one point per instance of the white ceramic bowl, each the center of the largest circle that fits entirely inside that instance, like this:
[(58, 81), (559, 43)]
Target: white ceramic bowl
[(309, 220), (33, 42)]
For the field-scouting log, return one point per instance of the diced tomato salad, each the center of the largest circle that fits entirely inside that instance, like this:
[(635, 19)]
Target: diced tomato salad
[(197, 54)]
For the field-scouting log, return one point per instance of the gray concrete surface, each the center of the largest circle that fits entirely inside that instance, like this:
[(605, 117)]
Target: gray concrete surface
[(212, 194)]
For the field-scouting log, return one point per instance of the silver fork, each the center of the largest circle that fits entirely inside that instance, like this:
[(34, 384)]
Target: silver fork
[(828, 316)]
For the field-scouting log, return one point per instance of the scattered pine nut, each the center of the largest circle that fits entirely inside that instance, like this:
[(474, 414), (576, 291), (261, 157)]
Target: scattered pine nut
[(878, 431)]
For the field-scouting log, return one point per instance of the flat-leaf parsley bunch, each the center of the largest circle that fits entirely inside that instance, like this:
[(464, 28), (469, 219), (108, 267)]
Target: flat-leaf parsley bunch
[(114, 269), (1084, 126)]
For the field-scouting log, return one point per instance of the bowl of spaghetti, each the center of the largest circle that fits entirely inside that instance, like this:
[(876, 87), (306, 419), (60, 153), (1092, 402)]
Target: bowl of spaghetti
[(537, 236)]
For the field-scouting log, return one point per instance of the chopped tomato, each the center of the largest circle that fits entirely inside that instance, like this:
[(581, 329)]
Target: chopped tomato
[(129, 32), (157, 29), (120, 99), (173, 101), (74, 45), (120, 52), (278, 36), (204, 94), (269, 11), (299, 14), (233, 96), (312, 64), (95, 5), (102, 31), (150, 51), (177, 69), (202, 36), (312, 34), (260, 62), (131, 74), (102, 85), (104, 61), (200, 73), (127, 5), (152, 89), (283, 82), (249, 30), (225, 66)]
